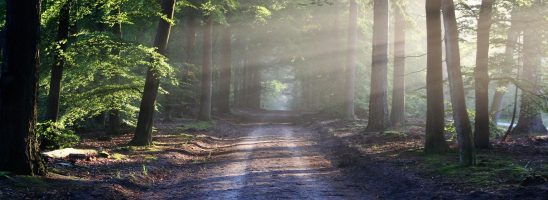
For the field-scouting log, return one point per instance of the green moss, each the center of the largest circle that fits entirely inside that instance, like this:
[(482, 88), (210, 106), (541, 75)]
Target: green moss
[(394, 134), (118, 156), (150, 158), (197, 126)]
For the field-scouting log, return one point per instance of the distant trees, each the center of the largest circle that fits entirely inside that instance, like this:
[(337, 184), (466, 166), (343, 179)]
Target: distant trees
[(350, 69), (435, 118), (207, 73), (379, 118), (143, 132), (19, 150), (226, 70)]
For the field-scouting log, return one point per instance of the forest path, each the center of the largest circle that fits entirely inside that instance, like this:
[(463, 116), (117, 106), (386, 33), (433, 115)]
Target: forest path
[(272, 161)]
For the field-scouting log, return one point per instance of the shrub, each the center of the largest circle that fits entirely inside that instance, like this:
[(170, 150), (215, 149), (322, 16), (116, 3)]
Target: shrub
[(54, 135)]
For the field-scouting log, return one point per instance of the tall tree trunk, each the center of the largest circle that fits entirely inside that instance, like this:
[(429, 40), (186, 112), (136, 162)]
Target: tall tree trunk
[(397, 115), (481, 76), (379, 118), (507, 68), (207, 73), (530, 117), (114, 119), (52, 110), (460, 114), (350, 70), (143, 132), (19, 148), (226, 70), (435, 141)]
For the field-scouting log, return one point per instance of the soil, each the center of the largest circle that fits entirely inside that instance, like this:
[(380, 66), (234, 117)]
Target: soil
[(268, 158)]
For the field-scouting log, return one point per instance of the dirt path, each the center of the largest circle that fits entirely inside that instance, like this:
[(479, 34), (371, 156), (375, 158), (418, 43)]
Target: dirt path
[(266, 162)]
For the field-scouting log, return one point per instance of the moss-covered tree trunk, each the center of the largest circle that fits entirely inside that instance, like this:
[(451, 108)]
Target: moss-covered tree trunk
[(435, 141), (19, 148), (207, 72), (456, 86), (52, 109), (350, 69), (379, 118), (481, 76), (143, 132)]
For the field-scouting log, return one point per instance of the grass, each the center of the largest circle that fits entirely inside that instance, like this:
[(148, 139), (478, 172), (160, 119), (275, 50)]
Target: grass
[(118, 156), (490, 170), (197, 126), (394, 134)]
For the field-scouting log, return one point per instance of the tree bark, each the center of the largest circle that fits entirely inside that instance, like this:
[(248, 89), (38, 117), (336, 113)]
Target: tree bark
[(143, 132), (460, 114), (530, 117), (207, 73), (19, 147), (397, 115), (52, 110), (379, 118), (435, 141), (226, 70), (350, 70), (114, 119), (481, 76)]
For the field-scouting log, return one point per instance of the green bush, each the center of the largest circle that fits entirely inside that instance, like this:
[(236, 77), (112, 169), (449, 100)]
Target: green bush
[(54, 135)]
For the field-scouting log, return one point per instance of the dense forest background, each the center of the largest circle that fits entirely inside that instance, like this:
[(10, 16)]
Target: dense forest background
[(468, 71)]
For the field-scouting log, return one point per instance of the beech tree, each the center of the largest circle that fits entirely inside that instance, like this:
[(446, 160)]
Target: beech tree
[(397, 114), (435, 141), (460, 114), (143, 132), (481, 75), (57, 69), (207, 74), (350, 69), (379, 118), (19, 148)]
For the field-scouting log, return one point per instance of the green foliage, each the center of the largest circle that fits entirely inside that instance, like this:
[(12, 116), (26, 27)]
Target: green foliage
[(394, 134), (54, 135)]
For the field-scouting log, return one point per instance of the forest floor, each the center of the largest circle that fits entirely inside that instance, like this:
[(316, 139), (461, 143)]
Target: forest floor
[(314, 158)]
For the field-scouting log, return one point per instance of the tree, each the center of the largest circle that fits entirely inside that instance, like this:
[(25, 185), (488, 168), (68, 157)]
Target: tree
[(530, 117), (378, 100), (460, 114), (52, 111), (435, 141), (397, 115), (509, 64), (226, 70), (143, 132), (114, 119), (19, 148), (207, 74), (350, 70), (481, 76)]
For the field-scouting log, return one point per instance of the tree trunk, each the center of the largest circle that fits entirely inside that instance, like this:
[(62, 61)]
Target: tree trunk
[(379, 118), (530, 117), (350, 70), (114, 119), (207, 73), (507, 68), (52, 110), (143, 132), (19, 147), (226, 71), (435, 141), (460, 114), (481, 76), (397, 116)]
